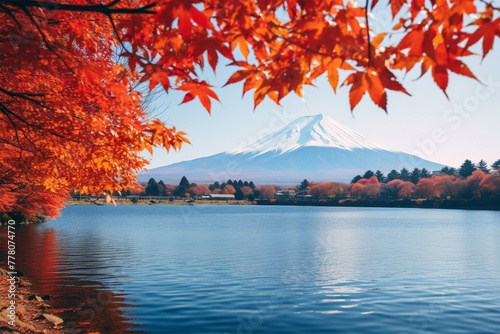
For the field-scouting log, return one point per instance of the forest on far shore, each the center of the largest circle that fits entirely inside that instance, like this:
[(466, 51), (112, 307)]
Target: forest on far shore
[(466, 182)]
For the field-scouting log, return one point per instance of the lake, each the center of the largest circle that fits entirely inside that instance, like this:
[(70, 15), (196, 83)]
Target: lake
[(267, 269)]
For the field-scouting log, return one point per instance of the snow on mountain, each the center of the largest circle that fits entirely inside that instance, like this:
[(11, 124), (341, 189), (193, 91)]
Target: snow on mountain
[(314, 147), (315, 131)]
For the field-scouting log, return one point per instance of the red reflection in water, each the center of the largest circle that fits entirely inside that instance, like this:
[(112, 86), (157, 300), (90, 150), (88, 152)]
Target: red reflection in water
[(77, 301)]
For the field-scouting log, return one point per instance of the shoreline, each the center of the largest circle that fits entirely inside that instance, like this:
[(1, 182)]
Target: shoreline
[(456, 204), (159, 202), (471, 204), (31, 312)]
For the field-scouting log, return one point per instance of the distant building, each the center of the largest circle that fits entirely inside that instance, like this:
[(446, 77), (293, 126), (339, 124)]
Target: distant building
[(285, 194), (221, 197)]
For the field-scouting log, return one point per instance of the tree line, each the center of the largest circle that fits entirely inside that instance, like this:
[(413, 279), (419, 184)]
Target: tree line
[(468, 181), (240, 189), (465, 170)]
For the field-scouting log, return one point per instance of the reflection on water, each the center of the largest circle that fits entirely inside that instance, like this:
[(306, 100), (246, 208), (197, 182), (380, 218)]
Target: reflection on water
[(272, 270), (77, 299)]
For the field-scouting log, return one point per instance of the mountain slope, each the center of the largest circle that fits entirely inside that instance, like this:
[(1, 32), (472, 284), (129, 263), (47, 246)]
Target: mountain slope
[(309, 131), (314, 147)]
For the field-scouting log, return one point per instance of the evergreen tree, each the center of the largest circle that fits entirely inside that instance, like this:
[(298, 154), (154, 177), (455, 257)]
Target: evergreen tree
[(380, 176), (216, 185), (152, 189), (415, 176), (393, 175), (162, 188), (251, 197), (184, 182), (211, 187), (222, 185), (245, 184), (448, 171), (404, 174), (238, 195), (180, 191), (256, 193), (483, 166), (496, 165), (368, 174), (356, 179), (240, 183), (467, 168), (229, 182), (424, 173), (303, 185), (251, 185)]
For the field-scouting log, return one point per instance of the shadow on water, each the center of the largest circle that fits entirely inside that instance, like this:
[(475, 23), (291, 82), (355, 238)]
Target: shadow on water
[(86, 305)]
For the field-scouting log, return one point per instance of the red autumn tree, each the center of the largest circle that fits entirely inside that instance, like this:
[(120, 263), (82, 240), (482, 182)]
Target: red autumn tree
[(372, 186), (266, 191), (490, 184), (400, 189), (406, 189), (392, 187), (229, 189), (71, 113), (169, 189), (356, 190), (469, 187), (446, 186), (327, 189), (247, 191), (426, 187), (198, 190)]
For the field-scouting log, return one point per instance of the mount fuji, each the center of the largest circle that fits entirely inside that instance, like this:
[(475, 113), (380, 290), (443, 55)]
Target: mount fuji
[(314, 147)]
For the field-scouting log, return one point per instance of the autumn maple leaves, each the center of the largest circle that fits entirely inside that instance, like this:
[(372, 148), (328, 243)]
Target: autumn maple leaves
[(287, 44)]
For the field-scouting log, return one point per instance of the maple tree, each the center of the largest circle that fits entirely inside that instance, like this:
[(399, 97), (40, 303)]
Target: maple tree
[(356, 190), (229, 189), (198, 190), (490, 184), (372, 186), (326, 189), (72, 111), (399, 188), (426, 187), (247, 191), (266, 191)]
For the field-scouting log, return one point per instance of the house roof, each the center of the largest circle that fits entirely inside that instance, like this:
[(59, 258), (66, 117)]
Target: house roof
[(221, 196)]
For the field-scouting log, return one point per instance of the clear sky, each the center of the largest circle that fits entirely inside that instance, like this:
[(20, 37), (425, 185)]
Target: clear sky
[(427, 124)]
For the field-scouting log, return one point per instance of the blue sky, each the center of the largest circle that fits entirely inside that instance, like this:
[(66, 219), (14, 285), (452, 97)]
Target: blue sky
[(427, 124)]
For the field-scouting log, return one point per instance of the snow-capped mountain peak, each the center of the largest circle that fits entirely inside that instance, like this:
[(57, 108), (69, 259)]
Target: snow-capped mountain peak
[(309, 131), (314, 147)]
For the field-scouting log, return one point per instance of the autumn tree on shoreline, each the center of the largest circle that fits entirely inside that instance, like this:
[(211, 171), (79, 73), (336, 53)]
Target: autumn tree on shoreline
[(72, 117)]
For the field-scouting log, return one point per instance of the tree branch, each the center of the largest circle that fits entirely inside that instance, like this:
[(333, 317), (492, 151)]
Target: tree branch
[(25, 96), (12, 16), (368, 33), (105, 9), (45, 39)]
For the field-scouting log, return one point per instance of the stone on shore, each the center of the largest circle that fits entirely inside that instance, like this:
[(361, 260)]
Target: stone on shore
[(52, 318)]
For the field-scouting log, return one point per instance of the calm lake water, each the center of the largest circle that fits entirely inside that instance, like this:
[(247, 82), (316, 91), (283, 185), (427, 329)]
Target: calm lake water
[(267, 269)]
